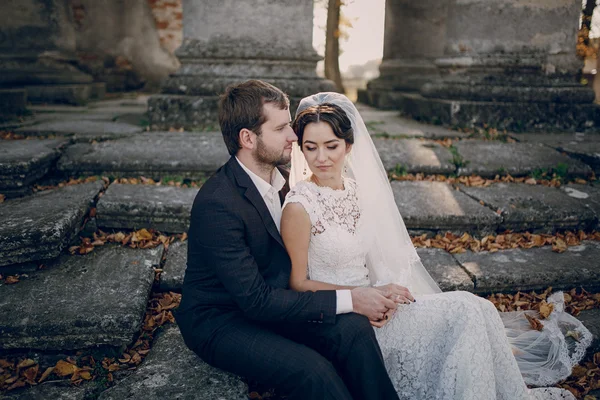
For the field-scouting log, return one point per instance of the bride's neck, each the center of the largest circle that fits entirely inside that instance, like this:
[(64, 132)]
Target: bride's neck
[(336, 183)]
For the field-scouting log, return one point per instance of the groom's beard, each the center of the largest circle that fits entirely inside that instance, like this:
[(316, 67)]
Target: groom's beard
[(271, 157)]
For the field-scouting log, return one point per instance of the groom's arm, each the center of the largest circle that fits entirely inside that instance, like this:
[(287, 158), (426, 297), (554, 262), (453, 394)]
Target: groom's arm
[(218, 233)]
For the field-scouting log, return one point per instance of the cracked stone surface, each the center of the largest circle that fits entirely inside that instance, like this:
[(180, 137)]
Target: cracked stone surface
[(164, 208), (23, 162), (414, 155), (445, 270), (490, 158), (437, 206), (172, 371), (39, 226), (79, 301), (534, 269), (153, 155), (82, 130), (583, 146), (174, 269), (533, 207)]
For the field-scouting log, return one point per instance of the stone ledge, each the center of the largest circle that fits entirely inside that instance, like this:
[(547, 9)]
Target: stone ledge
[(172, 371), (414, 155), (533, 207), (164, 208), (171, 279), (79, 301), (40, 226), (509, 271), (515, 117), (153, 155), (489, 158), (82, 130), (445, 270), (429, 207)]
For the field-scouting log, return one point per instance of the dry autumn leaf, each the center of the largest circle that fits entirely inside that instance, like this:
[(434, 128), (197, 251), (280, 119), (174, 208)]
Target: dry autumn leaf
[(545, 309), (46, 373), (11, 279), (63, 368), (534, 322)]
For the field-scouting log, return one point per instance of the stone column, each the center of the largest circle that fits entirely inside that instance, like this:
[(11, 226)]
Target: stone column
[(230, 41), (414, 38), (509, 64), (37, 52)]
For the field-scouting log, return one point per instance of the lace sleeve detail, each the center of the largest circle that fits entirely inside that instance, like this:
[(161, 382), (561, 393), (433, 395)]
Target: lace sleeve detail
[(302, 194)]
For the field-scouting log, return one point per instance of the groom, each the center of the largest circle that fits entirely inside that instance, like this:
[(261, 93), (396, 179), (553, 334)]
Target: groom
[(237, 312)]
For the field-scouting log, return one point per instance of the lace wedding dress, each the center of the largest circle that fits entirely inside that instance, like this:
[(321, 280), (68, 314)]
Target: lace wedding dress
[(450, 345)]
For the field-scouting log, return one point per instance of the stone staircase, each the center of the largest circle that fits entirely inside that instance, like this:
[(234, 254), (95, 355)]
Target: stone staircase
[(63, 302)]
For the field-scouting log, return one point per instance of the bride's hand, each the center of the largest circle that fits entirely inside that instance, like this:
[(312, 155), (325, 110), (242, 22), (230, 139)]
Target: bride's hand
[(386, 318), (399, 294)]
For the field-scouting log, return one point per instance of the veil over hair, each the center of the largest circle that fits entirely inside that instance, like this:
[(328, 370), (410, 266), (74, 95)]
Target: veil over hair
[(392, 257)]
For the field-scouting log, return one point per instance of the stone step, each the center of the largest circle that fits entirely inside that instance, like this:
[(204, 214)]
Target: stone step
[(585, 194), (23, 162), (391, 123), (489, 158), (445, 270), (164, 208), (76, 94), (414, 155), (583, 146), (79, 302), (153, 155), (81, 129), (171, 278), (38, 227), (172, 371), (533, 207), (49, 390), (534, 269), (428, 207)]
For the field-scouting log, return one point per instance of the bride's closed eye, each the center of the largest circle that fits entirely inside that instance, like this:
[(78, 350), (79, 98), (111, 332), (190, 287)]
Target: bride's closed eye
[(314, 148)]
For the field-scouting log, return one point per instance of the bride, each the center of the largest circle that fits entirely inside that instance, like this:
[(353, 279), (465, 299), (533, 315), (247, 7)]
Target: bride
[(342, 229)]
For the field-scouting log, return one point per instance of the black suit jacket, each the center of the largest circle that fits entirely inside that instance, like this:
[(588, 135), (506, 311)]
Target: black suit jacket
[(237, 265)]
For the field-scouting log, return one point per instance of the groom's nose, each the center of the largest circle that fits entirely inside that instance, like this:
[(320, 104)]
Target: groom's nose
[(292, 135)]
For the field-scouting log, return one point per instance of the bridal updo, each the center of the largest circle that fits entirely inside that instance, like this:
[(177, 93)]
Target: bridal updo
[(332, 114)]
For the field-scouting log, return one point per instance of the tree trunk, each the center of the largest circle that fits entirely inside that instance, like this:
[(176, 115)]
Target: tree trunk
[(332, 44)]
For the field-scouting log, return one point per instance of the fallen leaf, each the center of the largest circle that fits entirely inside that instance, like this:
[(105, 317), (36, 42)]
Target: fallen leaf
[(534, 322), (30, 374), (11, 279), (2, 198), (46, 373), (63, 368), (545, 309)]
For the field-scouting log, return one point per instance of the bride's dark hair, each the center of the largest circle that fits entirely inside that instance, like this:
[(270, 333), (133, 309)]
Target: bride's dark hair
[(332, 114)]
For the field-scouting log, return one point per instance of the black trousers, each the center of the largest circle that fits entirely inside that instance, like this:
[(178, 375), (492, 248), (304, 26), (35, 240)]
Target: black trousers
[(340, 361)]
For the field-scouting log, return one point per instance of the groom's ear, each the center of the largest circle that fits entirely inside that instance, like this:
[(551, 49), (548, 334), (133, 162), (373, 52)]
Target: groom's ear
[(247, 139)]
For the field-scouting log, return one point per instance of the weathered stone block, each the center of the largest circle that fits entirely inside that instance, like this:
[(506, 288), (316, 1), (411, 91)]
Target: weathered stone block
[(171, 370), (75, 94), (437, 206), (152, 155), (515, 116), (489, 158), (414, 155), (23, 162), (82, 130), (13, 102), (533, 207), (585, 194), (79, 301), (164, 208), (534, 269), (391, 123), (582, 146), (40, 226), (174, 269), (591, 320), (445, 270), (47, 391)]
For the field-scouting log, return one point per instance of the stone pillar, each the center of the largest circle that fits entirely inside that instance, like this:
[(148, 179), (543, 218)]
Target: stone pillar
[(232, 41), (509, 64), (414, 38), (37, 52)]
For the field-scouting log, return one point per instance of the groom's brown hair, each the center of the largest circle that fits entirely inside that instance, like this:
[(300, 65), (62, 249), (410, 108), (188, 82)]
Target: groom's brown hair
[(241, 106)]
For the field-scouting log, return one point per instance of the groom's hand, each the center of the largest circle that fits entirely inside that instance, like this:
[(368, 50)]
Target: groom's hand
[(371, 303), (399, 294)]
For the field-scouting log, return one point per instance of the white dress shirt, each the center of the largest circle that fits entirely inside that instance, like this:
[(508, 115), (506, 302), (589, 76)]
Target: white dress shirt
[(270, 194)]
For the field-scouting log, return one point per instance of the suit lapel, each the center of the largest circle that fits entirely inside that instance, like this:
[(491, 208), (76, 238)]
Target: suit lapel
[(252, 194)]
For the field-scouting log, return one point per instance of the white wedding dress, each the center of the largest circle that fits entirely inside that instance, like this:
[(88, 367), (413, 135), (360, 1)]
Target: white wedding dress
[(446, 346)]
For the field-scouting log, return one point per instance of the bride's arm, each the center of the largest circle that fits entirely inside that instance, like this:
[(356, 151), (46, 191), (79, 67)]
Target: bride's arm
[(295, 231)]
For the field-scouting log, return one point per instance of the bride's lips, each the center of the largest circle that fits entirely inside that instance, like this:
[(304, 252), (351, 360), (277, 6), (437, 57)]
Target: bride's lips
[(323, 167)]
